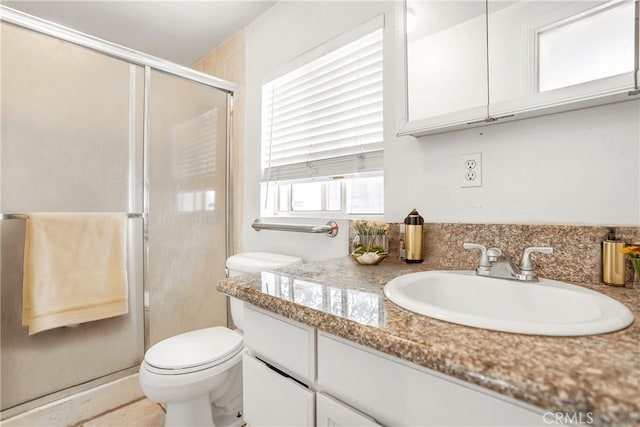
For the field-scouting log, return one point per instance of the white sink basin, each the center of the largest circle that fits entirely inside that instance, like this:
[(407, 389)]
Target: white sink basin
[(547, 307)]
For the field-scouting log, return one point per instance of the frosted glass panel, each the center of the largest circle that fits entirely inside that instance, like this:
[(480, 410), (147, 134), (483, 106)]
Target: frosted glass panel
[(588, 48), (70, 141), (187, 249), (69, 127)]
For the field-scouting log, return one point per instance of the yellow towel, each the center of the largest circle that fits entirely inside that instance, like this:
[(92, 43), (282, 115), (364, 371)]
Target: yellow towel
[(74, 269)]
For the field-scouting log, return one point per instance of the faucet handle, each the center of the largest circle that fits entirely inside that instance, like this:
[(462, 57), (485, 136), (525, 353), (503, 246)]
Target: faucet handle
[(481, 248), (526, 265), (484, 265)]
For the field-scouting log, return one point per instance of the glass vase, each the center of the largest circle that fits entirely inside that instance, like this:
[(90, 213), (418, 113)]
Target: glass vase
[(636, 272), (370, 249)]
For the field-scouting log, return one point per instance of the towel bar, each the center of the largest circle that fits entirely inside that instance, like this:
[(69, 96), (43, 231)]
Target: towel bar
[(25, 216), (331, 228)]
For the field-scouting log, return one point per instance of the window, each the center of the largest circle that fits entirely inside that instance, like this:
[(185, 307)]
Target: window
[(357, 195), (322, 132), (314, 196)]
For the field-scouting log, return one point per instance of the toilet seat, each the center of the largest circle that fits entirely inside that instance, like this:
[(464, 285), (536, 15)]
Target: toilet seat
[(193, 351)]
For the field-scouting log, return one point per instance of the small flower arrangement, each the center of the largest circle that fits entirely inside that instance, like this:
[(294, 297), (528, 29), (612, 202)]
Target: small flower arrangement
[(370, 242), (633, 252)]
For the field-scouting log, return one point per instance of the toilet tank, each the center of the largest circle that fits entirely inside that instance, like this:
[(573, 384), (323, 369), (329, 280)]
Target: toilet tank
[(254, 262)]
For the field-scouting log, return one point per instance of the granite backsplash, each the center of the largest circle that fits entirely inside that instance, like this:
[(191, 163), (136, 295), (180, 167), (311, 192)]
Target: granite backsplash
[(577, 255)]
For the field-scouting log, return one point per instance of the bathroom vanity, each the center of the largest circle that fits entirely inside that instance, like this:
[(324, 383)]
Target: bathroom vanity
[(325, 347), (288, 364)]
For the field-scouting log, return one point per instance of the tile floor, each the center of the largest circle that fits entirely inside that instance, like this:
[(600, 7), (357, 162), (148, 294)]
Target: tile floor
[(141, 413)]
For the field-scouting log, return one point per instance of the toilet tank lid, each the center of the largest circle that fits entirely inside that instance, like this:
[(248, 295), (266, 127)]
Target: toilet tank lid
[(253, 262)]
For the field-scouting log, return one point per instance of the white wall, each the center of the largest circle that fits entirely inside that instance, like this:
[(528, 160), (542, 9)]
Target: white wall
[(580, 167), (287, 30)]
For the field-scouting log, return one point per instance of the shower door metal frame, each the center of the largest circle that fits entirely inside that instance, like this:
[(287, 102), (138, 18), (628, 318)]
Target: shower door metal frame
[(24, 20), (149, 63)]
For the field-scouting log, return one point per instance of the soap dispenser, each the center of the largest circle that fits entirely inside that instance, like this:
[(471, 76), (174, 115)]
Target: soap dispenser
[(413, 234), (612, 260)]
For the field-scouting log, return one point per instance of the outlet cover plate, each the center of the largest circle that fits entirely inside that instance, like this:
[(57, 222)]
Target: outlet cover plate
[(470, 170)]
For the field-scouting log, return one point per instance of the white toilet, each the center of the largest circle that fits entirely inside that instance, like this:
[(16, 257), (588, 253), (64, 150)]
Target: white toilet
[(198, 374)]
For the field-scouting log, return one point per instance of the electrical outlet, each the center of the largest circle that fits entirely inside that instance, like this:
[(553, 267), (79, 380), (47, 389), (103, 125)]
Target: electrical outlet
[(470, 171)]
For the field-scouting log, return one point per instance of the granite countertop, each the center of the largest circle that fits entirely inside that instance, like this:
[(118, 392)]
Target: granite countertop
[(595, 374)]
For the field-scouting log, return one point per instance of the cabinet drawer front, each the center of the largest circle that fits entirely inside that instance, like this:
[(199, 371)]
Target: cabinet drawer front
[(286, 344), (332, 413), (271, 399), (394, 392)]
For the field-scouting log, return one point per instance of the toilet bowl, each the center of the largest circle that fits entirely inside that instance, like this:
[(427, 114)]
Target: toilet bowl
[(198, 374), (182, 371)]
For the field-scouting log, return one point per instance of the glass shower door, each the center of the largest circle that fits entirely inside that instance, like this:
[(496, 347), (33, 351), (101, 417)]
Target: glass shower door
[(187, 139), (71, 141)]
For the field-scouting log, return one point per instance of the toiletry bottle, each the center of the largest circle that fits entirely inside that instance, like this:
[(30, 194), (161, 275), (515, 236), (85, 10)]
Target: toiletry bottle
[(413, 232), (612, 260)]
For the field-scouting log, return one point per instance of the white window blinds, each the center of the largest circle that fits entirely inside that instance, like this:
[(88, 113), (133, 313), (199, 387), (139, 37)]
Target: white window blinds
[(325, 118)]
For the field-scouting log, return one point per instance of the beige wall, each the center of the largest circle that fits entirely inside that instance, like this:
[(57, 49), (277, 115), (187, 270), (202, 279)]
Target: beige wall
[(227, 62)]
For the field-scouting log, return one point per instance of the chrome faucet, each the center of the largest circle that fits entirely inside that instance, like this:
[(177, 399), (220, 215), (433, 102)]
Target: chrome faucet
[(493, 263)]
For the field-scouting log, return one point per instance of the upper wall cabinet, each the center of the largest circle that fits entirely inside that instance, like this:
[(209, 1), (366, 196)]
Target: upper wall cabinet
[(470, 63)]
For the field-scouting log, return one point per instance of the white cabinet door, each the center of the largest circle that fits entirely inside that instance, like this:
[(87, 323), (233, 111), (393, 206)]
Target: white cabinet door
[(446, 64), (272, 399), (282, 342), (332, 413), (395, 392), (550, 54)]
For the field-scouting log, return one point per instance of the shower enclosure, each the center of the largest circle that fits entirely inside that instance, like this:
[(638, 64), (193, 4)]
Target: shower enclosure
[(88, 126)]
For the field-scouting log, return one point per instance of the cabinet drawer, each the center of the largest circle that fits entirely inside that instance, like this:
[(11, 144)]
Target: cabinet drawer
[(332, 413), (287, 344), (399, 393), (271, 399)]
